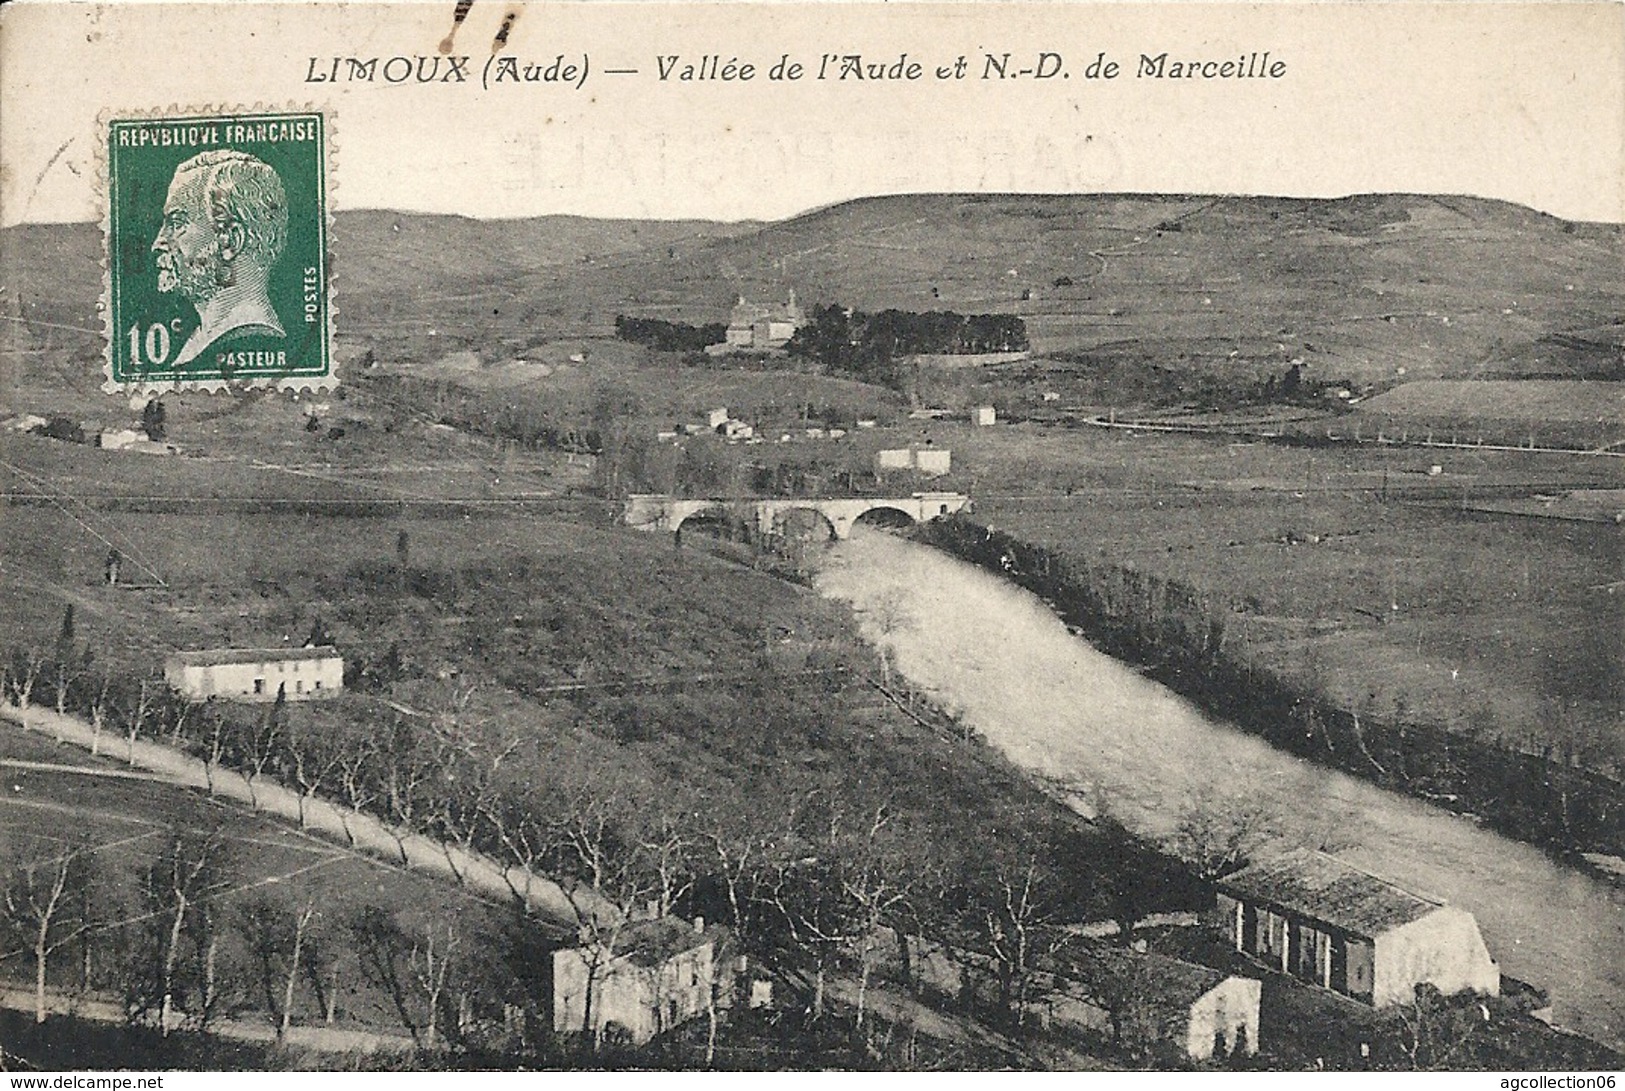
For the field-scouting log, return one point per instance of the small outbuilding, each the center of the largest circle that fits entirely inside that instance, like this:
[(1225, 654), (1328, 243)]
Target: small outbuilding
[(1331, 924), (256, 674), (926, 461), (1141, 999), (1156, 1000)]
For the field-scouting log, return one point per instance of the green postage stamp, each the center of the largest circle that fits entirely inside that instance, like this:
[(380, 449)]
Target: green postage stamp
[(217, 253)]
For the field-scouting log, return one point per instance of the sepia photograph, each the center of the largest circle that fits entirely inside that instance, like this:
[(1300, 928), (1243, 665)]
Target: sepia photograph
[(709, 537)]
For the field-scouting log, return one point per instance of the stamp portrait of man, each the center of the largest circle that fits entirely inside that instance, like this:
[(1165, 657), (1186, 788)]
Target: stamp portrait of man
[(225, 225)]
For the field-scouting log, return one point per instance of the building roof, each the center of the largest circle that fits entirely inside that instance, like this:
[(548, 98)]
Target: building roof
[(745, 313), (216, 656), (652, 943), (1324, 888), (1161, 979)]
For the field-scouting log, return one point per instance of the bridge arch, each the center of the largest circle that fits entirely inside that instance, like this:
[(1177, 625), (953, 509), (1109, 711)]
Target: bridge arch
[(885, 517), (715, 521), (805, 524)]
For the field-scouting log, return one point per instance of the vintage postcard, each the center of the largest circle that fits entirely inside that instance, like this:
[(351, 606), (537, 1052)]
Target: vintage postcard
[(812, 536)]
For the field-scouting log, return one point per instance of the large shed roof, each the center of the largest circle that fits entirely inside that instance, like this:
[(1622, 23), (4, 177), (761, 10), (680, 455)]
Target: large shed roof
[(1324, 888)]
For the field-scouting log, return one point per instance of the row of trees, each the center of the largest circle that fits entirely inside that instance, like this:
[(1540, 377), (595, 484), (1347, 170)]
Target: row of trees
[(664, 336), (869, 346), (183, 941)]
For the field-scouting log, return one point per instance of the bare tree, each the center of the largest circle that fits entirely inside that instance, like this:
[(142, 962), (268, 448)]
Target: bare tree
[(356, 760), (322, 969), (98, 712), (468, 765), (745, 857), (1435, 1033), (136, 718), (523, 839), (311, 758), (891, 616), (175, 886), (1217, 835), (44, 900), (806, 890), (1020, 930), (381, 947), (278, 937), (876, 881), (431, 961), (669, 847), (214, 742), (408, 769), (24, 673), (1118, 981), (260, 739)]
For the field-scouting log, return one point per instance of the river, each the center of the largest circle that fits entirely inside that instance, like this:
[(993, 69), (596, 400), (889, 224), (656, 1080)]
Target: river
[(997, 656)]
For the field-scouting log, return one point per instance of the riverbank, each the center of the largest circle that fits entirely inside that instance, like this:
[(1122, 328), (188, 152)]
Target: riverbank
[(1178, 636), (998, 658)]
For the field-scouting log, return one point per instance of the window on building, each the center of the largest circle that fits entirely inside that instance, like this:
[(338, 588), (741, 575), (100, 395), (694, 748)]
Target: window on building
[(299, 686), (259, 685), (318, 684)]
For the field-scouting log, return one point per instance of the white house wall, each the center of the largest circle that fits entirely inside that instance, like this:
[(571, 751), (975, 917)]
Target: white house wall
[(646, 1000), (301, 680), (1443, 949), (1227, 1014)]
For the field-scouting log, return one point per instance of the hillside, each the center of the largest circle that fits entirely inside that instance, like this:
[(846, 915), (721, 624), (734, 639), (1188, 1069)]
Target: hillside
[(389, 268), (1357, 288)]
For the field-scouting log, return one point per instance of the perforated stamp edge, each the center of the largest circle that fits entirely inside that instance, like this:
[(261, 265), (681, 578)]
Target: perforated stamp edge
[(329, 158)]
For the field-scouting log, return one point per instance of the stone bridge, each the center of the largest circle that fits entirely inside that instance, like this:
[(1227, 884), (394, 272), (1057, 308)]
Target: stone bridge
[(778, 514)]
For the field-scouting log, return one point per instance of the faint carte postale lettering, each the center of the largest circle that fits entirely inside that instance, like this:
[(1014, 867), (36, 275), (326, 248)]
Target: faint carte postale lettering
[(217, 252)]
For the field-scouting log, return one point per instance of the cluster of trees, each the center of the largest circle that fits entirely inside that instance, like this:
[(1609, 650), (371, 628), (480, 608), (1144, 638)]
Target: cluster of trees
[(869, 346), (1544, 793), (664, 336), (185, 938), (559, 425), (820, 876)]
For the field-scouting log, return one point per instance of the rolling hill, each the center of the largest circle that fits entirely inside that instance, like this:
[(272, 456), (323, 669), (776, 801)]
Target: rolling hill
[(1370, 289)]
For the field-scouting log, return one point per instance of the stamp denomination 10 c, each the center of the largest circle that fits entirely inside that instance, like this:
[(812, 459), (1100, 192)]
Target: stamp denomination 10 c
[(217, 273)]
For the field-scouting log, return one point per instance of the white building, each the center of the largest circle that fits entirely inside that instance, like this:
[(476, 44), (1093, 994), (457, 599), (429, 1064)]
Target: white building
[(256, 674), (752, 326)]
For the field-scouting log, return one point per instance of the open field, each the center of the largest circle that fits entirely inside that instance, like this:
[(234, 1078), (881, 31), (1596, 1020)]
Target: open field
[(1461, 616)]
